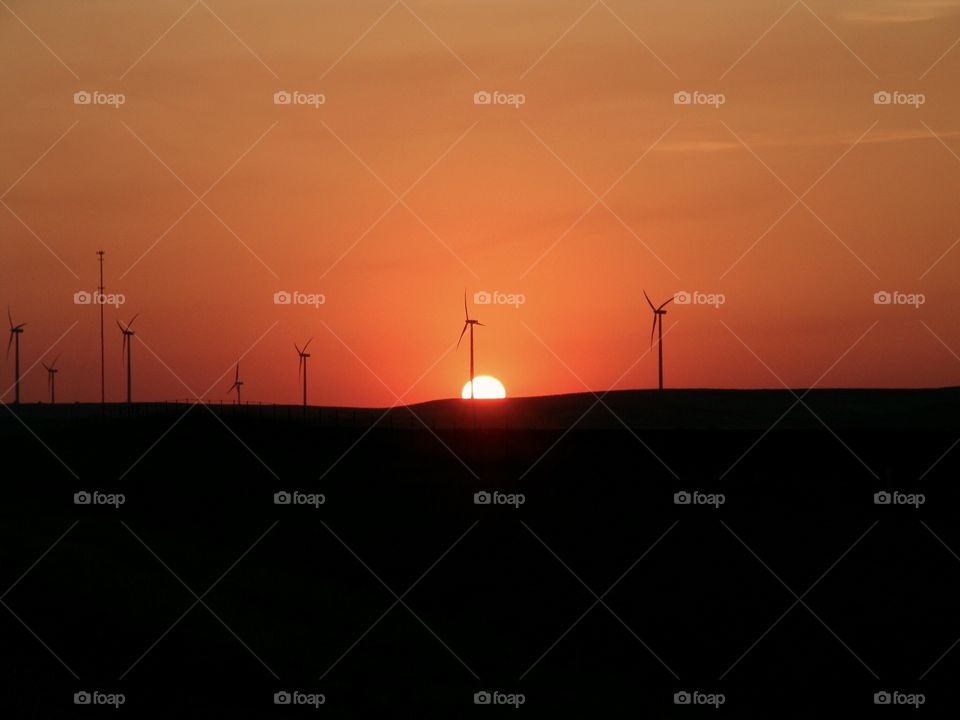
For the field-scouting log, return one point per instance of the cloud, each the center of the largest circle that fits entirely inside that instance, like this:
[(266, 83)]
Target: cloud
[(891, 12), (875, 137)]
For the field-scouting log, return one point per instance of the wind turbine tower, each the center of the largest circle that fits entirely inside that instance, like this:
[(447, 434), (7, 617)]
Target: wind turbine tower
[(237, 382), (658, 313), (128, 353), (52, 379), (15, 332), (469, 323), (302, 368)]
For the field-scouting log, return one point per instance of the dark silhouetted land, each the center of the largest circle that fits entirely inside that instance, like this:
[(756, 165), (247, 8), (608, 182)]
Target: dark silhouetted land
[(507, 603)]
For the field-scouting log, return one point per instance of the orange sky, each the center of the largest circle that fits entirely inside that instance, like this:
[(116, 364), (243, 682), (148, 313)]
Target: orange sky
[(503, 198)]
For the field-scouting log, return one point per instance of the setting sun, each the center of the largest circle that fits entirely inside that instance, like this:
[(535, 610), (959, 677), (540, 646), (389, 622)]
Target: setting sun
[(487, 388)]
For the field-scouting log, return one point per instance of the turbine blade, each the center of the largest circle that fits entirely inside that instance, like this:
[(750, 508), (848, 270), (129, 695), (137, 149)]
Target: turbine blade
[(54, 363), (653, 329), (466, 315), (9, 317), (9, 343), (45, 366), (237, 377), (132, 319), (120, 326), (665, 303), (649, 301), (465, 326), (299, 352), (307, 345), (481, 324)]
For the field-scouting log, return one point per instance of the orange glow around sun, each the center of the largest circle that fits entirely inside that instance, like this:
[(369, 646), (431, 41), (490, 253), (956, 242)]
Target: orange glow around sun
[(487, 388)]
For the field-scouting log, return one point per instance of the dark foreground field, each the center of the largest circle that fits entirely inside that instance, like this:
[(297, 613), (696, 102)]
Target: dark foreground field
[(400, 596)]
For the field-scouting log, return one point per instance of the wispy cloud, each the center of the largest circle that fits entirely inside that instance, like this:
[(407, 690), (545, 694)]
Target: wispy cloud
[(883, 12), (878, 136)]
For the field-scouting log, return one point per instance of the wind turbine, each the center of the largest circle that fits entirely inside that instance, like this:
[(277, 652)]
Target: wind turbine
[(52, 378), (128, 352), (103, 371), (15, 332), (468, 323), (302, 367), (658, 313), (237, 382)]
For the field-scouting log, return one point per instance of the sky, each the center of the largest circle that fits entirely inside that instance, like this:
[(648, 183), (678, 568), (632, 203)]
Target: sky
[(784, 202)]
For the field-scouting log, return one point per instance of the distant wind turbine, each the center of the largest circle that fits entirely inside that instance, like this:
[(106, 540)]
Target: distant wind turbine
[(128, 353), (237, 382), (15, 332), (658, 313), (103, 366), (468, 323), (52, 378), (302, 368)]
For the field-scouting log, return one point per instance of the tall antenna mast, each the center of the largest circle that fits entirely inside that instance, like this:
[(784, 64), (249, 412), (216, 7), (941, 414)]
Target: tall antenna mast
[(100, 298)]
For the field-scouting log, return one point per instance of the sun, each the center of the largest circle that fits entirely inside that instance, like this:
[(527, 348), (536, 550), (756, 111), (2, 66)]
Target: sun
[(485, 387)]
